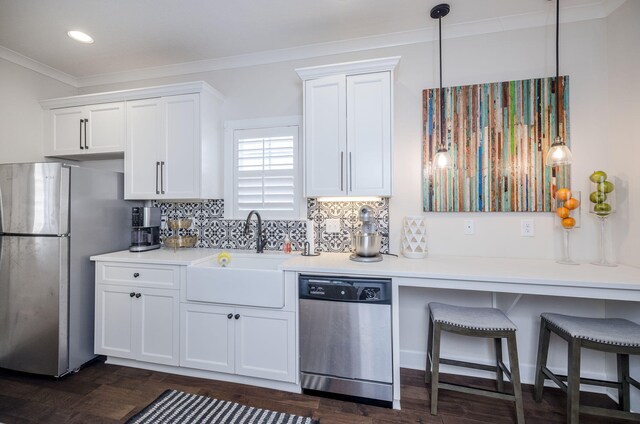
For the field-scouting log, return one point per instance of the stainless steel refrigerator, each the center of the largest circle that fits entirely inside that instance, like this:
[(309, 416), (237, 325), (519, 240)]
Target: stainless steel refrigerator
[(52, 218)]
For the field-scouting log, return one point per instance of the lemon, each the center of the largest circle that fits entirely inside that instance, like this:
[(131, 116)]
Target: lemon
[(597, 197), (605, 187), (598, 177)]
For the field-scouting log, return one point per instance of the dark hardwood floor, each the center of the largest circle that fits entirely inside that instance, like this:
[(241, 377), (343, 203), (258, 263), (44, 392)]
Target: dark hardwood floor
[(102, 393)]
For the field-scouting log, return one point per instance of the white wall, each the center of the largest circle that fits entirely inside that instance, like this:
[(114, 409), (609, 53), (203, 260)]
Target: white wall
[(274, 90), (21, 117)]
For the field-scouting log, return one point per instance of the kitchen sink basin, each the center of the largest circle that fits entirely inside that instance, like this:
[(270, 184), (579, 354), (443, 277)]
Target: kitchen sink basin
[(249, 279)]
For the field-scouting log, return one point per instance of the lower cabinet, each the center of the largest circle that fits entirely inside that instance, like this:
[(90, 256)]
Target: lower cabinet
[(245, 341), (137, 323)]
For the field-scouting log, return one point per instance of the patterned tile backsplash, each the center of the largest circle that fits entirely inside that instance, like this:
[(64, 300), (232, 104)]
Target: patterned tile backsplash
[(216, 232)]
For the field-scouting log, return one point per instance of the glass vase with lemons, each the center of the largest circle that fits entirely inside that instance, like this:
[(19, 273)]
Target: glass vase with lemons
[(602, 203)]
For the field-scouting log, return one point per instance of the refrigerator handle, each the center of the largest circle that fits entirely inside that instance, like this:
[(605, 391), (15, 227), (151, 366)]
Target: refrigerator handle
[(86, 121), (81, 121), (157, 165), (161, 177)]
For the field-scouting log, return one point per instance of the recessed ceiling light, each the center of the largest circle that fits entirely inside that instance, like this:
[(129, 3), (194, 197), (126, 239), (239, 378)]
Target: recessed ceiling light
[(80, 36)]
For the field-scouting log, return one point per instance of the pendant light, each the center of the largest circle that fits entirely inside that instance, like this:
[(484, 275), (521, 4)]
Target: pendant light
[(442, 159), (559, 153)]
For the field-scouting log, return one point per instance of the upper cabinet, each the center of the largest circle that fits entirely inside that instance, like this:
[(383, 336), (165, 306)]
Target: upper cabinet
[(170, 137), (348, 128), (86, 130)]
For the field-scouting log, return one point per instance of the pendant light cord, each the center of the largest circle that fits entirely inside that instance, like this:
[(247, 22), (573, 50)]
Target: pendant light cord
[(557, 68), (442, 143)]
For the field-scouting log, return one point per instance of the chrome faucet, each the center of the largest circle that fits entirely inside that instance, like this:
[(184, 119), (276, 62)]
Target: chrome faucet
[(260, 243)]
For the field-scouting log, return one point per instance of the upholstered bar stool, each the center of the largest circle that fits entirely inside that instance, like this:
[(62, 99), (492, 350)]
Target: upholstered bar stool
[(614, 335), (475, 322)]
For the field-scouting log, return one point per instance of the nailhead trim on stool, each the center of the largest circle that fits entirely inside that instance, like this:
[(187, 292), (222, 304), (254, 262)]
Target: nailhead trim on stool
[(475, 322), (615, 335)]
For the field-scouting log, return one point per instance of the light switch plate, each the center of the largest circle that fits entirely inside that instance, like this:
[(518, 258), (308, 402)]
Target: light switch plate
[(333, 225), (469, 228)]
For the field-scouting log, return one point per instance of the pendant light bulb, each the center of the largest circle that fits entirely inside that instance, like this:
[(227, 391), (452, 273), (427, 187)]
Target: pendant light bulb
[(559, 153), (442, 159)]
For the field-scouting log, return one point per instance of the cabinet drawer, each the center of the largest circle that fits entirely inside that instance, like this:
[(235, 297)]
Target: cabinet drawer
[(140, 275)]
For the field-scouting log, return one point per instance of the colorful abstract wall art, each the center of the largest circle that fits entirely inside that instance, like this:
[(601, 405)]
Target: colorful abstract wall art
[(498, 135)]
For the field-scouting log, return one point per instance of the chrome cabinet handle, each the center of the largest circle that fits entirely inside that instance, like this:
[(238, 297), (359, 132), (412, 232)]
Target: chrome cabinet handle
[(350, 174), (86, 121), (162, 177), (341, 171), (81, 121), (157, 165)]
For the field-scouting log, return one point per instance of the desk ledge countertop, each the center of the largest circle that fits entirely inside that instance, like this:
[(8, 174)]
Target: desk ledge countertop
[(506, 270), (158, 256)]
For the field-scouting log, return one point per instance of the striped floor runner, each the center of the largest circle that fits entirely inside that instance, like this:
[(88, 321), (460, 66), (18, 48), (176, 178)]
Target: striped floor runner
[(176, 407)]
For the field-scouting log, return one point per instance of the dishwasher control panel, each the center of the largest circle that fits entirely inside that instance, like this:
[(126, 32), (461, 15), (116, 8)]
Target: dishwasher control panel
[(346, 289)]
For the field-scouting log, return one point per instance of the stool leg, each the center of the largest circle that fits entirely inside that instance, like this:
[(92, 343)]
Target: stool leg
[(573, 382), (624, 402), (515, 376), (427, 374), (499, 374), (543, 351), (435, 363)]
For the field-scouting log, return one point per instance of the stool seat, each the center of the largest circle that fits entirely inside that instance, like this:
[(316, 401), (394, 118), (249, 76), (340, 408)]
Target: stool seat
[(611, 331), (484, 319)]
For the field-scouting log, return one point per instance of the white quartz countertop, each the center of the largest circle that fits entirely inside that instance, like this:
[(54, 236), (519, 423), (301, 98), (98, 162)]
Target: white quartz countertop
[(507, 270), (158, 256), (511, 270)]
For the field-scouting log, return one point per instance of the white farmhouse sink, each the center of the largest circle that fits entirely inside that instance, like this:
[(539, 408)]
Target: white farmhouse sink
[(251, 279)]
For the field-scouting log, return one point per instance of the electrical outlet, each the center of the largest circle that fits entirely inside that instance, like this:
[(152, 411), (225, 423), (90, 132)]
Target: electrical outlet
[(526, 228), (333, 225), (469, 227)]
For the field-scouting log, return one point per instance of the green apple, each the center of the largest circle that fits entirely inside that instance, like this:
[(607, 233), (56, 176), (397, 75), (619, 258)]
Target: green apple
[(602, 208), (597, 197), (605, 187), (598, 177)]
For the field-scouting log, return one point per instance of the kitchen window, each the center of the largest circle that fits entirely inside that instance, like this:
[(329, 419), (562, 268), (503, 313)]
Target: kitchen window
[(263, 169)]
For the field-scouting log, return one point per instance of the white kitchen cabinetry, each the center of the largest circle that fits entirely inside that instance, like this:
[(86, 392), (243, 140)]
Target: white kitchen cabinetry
[(133, 320), (86, 131), (348, 128), (168, 143), (245, 341)]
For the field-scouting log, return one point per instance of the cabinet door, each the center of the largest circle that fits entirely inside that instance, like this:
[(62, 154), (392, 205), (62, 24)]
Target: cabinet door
[(145, 144), (369, 134), (157, 315), (68, 131), (181, 169), (265, 344), (325, 136), (207, 337), (114, 321), (105, 128)]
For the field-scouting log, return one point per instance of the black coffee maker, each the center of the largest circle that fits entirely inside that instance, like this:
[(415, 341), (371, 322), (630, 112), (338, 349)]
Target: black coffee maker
[(145, 229)]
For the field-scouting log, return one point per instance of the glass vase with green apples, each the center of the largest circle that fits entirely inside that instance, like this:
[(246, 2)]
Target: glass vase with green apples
[(602, 203)]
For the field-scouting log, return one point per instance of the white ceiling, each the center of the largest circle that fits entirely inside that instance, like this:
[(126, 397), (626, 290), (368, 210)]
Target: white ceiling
[(136, 34)]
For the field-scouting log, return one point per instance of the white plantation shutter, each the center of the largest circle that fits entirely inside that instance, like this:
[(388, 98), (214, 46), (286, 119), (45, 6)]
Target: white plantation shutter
[(266, 172)]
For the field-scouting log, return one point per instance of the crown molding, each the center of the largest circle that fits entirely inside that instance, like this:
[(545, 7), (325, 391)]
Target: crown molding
[(348, 68), (38, 67), (597, 9), (133, 94)]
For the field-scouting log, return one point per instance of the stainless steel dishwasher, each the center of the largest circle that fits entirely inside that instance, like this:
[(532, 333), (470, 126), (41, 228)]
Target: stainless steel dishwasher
[(345, 336)]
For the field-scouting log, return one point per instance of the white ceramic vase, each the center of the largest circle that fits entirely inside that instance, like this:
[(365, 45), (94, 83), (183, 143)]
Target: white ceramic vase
[(414, 237)]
